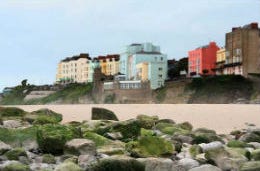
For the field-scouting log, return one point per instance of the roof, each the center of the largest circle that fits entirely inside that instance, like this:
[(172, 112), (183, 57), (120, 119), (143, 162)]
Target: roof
[(74, 58), (135, 44)]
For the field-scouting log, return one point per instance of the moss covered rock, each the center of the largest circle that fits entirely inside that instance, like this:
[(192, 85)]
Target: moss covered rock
[(68, 166), (203, 135), (4, 147), (15, 153), (195, 150), (237, 144), (250, 137), (52, 138), (150, 146), (147, 122), (80, 146), (103, 114), (98, 139), (186, 126), (48, 158), (250, 166), (16, 167), (7, 113), (171, 129)]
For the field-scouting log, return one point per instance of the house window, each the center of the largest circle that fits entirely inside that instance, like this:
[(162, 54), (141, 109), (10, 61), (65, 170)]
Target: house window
[(161, 58), (160, 69), (160, 76)]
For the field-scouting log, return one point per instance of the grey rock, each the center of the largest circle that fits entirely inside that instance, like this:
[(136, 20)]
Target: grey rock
[(206, 167), (80, 146), (188, 163), (4, 147), (256, 145), (85, 161), (12, 124), (211, 146)]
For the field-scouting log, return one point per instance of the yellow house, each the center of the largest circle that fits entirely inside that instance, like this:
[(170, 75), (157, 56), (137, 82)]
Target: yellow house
[(109, 64), (74, 69), (221, 58), (142, 71)]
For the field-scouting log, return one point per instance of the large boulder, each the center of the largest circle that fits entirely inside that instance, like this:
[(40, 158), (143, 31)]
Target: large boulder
[(48, 158), (171, 129), (250, 137), (237, 144), (206, 167), (147, 122), (52, 138), (68, 166), (80, 146), (11, 112), (4, 147), (118, 163), (150, 146), (98, 139), (188, 163), (203, 135), (103, 114), (160, 164), (85, 161)]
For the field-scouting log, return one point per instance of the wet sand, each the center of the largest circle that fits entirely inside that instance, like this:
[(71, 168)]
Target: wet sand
[(223, 118)]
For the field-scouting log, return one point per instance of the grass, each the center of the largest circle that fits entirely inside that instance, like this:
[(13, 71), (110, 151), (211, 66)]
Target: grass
[(16, 137), (70, 94)]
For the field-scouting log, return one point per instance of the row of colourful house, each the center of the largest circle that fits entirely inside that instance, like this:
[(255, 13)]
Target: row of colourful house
[(138, 63), (240, 56)]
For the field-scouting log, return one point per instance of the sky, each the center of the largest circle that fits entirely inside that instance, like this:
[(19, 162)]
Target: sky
[(36, 34)]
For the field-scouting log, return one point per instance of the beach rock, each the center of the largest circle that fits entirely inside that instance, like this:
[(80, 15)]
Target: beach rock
[(170, 129), (12, 124), (112, 148), (96, 138), (4, 147), (84, 161), (150, 146), (103, 114), (183, 138), (166, 121), (250, 137), (194, 150), (147, 122), (42, 167), (256, 154), (48, 158), (250, 166), (6, 112), (188, 163), (206, 167), (80, 146), (237, 144), (15, 153), (52, 138), (16, 166), (68, 166), (185, 125), (256, 145), (118, 163), (160, 164), (211, 146)]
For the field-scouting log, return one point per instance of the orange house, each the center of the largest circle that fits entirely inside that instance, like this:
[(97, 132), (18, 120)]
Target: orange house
[(202, 60)]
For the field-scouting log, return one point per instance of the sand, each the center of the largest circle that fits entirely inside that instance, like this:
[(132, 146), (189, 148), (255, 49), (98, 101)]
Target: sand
[(223, 118)]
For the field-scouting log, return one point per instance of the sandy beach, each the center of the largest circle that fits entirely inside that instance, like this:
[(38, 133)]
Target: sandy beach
[(221, 117)]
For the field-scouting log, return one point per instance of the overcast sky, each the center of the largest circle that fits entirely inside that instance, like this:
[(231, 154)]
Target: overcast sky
[(36, 34)]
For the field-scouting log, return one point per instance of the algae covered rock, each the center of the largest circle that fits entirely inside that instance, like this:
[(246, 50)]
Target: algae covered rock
[(195, 150), (256, 154), (68, 166), (250, 166), (150, 146), (11, 112), (147, 122), (103, 114), (203, 135), (15, 153), (250, 137), (52, 138), (98, 139), (206, 167), (118, 163), (16, 166), (171, 129), (237, 144), (80, 146)]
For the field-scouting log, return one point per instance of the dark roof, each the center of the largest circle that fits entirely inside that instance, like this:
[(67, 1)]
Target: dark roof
[(135, 44), (74, 58)]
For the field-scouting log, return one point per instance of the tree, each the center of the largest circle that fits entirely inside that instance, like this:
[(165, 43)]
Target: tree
[(24, 83), (205, 71)]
